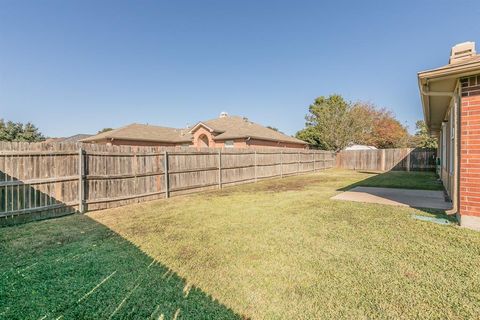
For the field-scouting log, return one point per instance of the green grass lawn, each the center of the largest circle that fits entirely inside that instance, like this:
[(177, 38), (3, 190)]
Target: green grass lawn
[(401, 179), (275, 249)]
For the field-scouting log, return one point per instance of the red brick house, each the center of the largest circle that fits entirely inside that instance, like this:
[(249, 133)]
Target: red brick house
[(451, 106), (237, 132), (223, 132)]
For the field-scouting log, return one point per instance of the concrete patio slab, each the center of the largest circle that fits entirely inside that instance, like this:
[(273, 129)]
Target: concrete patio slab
[(397, 197)]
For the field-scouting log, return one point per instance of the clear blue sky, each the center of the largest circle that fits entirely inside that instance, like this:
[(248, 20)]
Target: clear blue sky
[(78, 66)]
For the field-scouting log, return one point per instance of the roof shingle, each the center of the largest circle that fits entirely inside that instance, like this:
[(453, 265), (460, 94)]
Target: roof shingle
[(144, 132)]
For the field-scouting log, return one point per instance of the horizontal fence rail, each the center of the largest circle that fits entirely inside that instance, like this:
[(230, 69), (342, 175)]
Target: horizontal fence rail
[(48, 180), (404, 159)]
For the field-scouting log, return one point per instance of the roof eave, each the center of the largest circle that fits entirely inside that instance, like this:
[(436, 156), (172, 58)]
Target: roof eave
[(443, 74), (457, 71), (194, 128), (138, 139), (425, 104), (260, 138)]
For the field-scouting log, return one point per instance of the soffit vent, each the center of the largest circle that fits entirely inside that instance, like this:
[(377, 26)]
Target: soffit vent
[(462, 51)]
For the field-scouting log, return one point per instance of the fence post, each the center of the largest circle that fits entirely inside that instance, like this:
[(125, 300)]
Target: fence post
[(135, 169), (281, 164), (408, 160), (383, 160), (427, 162), (220, 169), (165, 174), (298, 163), (81, 181), (314, 156), (255, 165)]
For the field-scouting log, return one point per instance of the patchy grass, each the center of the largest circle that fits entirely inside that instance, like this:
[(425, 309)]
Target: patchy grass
[(275, 249), (400, 179)]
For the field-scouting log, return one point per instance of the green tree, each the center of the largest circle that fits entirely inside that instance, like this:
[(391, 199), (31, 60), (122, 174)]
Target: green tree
[(16, 131), (333, 124), (329, 124), (378, 127), (422, 138), (311, 136), (31, 133)]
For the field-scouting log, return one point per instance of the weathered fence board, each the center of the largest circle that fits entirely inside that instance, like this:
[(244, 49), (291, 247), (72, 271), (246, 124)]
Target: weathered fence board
[(406, 159), (47, 180)]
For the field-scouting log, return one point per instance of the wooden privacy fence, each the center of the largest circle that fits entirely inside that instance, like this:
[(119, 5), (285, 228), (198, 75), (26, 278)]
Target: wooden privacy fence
[(405, 159), (46, 180)]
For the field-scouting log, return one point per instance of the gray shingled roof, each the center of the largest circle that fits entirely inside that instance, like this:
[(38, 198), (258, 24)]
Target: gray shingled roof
[(144, 132), (77, 137)]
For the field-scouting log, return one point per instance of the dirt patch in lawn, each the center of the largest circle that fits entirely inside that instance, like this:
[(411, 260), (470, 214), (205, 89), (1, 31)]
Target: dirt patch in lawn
[(276, 185), (282, 186), (187, 253), (290, 184)]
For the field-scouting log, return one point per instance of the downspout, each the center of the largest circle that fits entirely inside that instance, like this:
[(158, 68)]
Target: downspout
[(248, 139), (455, 110), (456, 165)]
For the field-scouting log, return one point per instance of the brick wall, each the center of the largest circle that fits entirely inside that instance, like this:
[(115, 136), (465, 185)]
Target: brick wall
[(240, 143), (203, 132), (469, 205)]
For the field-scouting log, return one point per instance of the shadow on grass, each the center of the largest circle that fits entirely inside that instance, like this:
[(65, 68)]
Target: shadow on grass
[(423, 180), (77, 268), (21, 202), (398, 179)]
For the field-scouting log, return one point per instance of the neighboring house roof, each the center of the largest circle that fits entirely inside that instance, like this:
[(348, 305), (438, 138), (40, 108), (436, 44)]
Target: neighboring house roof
[(53, 140), (77, 137), (235, 127), (144, 132), (74, 138), (224, 128), (360, 147)]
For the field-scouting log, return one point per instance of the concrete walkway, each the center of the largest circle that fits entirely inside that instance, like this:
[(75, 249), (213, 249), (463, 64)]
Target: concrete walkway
[(397, 197)]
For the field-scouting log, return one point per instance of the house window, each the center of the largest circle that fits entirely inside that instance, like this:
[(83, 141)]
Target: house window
[(229, 143)]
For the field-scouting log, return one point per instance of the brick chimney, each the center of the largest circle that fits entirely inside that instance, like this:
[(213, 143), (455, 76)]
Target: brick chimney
[(462, 51)]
